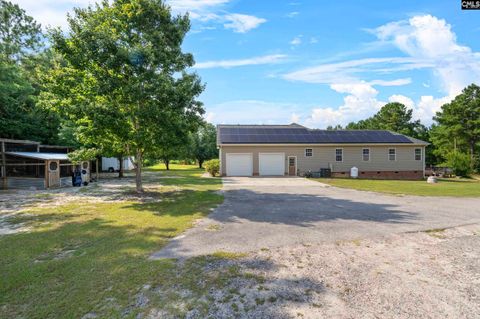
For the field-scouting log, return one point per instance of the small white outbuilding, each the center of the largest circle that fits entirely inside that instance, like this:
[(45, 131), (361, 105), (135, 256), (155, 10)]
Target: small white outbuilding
[(112, 164)]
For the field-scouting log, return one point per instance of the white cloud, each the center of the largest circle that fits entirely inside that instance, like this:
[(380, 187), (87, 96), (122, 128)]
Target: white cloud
[(408, 102), (396, 82), (359, 103), (293, 14), (49, 12), (265, 59), (428, 106), (209, 117), (297, 40), (54, 13), (313, 40), (295, 118), (428, 42), (209, 11), (194, 5), (349, 71), (429, 38), (242, 23), (252, 112)]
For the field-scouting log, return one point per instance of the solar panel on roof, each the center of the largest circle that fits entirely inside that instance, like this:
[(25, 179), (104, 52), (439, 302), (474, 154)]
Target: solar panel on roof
[(247, 135)]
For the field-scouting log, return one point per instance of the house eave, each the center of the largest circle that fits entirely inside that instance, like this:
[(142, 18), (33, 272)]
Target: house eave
[(322, 144)]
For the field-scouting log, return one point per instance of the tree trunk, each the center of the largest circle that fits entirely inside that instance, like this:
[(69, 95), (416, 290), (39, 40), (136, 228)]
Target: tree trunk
[(138, 172), (120, 167), (200, 163), (167, 164), (472, 153)]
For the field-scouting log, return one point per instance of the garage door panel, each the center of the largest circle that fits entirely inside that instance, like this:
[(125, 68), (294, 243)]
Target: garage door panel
[(271, 164), (239, 164)]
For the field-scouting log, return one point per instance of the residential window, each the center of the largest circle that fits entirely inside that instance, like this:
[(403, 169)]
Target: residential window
[(366, 154), (392, 154), (418, 154), (339, 154), (308, 152)]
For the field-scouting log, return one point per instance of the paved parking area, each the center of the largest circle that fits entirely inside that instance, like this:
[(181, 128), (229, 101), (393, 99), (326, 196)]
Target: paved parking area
[(273, 212)]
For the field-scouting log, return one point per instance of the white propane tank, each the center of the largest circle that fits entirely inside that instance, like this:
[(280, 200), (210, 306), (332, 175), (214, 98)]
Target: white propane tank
[(354, 172), (431, 180)]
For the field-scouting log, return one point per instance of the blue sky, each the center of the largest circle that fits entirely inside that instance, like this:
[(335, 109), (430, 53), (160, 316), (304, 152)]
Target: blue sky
[(320, 63)]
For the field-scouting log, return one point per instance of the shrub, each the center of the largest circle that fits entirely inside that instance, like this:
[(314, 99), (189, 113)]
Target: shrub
[(460, 163), (212, 166)]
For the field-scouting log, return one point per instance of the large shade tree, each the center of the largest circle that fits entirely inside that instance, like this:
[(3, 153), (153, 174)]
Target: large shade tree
[(203, 144), (394, 117), (22, 59), (458, 124), (123, 76)]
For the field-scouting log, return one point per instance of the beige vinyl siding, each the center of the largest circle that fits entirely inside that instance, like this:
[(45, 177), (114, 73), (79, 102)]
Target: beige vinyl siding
[(324, 157)]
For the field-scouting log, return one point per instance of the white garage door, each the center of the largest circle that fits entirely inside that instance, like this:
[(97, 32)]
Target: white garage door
[(271, 164), (239, 164)]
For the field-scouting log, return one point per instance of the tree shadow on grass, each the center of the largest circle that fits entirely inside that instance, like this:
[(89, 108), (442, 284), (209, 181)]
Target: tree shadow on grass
[(101, 268), (179, 203)]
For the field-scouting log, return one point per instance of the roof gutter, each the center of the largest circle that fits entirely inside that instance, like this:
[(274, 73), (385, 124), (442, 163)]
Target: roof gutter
[(324, 144)]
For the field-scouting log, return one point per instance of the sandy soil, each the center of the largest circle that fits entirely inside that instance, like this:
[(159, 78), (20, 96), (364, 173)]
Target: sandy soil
[(432, 274), (109, 188)]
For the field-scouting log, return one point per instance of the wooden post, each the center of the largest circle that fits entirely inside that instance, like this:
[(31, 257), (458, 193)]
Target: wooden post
[(4, 167), (96, 169), (46, 174)]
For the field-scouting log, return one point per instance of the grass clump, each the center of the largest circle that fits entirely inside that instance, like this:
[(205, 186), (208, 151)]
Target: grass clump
[(79, 256)]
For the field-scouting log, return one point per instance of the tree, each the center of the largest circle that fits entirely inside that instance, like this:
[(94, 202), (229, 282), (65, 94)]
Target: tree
[(458, 124), (20, 34), (22, 59), (123, 76), (203, 144), (393, 117), (334, 128), (396, 117)]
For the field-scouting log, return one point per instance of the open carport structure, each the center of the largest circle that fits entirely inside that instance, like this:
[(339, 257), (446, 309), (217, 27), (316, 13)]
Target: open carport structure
[(30, 165)]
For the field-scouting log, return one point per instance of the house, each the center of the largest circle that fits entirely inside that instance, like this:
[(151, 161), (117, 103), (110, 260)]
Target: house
[(278, 150), (30, 165)]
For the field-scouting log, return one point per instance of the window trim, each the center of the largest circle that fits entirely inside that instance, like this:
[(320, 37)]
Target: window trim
[(415, 154), (305, 152), (369, 154), (338, 148), (388, 154)]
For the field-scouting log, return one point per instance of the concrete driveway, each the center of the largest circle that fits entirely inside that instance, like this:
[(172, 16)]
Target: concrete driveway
[(271, 212)]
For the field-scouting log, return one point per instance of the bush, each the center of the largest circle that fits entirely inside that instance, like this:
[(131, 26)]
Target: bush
[(460, 163), (212, 166)]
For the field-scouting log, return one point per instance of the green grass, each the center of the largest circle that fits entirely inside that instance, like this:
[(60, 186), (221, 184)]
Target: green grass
[(93, 257), (444, 187)]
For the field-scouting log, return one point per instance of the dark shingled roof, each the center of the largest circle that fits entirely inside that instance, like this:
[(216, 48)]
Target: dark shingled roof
[(297, 134)]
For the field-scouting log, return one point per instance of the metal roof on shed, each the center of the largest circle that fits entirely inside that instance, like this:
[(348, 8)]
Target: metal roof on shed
[(296, 134), (40, 156)]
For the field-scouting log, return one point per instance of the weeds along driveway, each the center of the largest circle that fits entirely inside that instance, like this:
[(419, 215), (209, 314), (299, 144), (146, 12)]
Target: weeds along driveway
[(272, 212)]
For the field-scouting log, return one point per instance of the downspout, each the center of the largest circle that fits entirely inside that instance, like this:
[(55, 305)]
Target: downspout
[(424, 155), (220, 160)]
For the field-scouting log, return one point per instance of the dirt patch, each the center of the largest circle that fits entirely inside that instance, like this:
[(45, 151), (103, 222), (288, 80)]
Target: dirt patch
[(108, 189), (409, 275)]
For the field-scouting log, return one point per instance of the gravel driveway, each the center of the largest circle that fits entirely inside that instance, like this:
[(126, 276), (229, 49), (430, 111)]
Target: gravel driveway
[(275, 212)]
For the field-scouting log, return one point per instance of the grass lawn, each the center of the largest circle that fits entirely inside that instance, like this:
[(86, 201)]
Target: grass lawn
[(444, 187), (91, 257)]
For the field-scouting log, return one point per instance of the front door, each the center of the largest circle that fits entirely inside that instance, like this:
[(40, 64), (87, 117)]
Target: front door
[(292, 166)]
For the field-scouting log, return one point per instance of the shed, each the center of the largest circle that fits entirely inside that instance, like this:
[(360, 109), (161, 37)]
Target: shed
[(23, 165)]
